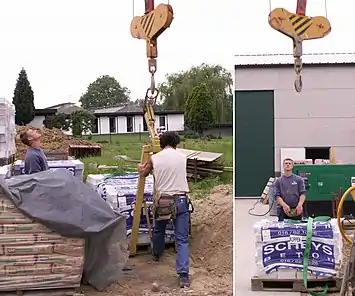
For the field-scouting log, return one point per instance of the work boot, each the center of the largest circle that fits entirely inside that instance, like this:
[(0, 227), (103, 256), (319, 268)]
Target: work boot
[(156, 258), (184, 280)]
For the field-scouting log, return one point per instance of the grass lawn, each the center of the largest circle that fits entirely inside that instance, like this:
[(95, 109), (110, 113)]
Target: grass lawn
[(131, 146)]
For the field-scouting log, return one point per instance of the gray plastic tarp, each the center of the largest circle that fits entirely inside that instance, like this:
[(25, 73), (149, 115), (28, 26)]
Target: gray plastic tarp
[(71, 208)]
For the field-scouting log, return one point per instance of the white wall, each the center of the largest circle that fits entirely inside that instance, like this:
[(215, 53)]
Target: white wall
[(104, 125), (37, 121), (320, 116), (138, 125), (173, 122), (122, 124)]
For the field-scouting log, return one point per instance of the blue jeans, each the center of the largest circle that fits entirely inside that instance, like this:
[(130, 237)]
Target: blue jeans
[(181, 233)]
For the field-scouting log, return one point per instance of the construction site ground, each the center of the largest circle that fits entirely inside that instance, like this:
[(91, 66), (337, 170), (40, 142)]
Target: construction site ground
[(211, 256), (245, 249)]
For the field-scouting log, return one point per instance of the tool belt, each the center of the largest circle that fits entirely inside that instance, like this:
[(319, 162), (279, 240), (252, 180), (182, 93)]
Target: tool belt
[(164, 206)]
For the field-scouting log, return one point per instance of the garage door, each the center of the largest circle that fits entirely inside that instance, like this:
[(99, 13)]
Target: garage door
[(254, 141)]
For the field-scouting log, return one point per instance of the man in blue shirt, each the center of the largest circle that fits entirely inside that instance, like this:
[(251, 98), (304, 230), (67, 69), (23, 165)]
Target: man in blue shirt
[(290, 193), (35, 160)]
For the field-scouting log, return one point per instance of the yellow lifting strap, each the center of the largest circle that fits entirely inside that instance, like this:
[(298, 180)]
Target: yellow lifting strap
[(148, 27)]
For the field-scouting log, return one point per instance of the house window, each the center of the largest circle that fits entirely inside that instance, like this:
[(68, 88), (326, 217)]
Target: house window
[(162, 120), (129, 120), (145, 127), (95, 126), (112, 125)]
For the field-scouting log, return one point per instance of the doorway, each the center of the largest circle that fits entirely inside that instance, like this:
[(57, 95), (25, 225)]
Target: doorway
[(254, 158)]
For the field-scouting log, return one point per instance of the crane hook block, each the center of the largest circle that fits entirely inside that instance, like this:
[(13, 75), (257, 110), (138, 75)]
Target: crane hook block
[(152, 24), (299, 27)]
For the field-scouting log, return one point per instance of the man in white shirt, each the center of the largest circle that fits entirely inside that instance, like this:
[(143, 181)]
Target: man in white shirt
[(170, 201)]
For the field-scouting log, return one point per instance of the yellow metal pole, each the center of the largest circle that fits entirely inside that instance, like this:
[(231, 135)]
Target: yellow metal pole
[(139, 202)]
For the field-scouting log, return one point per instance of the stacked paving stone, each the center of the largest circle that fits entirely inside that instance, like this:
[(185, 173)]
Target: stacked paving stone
[(7, 131), (34, 257)]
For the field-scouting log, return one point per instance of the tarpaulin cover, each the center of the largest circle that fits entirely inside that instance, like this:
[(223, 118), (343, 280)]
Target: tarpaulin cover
[(71, 208)]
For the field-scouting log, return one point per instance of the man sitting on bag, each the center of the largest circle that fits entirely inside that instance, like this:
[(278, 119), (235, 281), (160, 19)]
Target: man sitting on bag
[(290, 193), (170, 201)]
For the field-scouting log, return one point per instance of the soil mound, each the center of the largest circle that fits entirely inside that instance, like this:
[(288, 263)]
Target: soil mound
[(212, 239), (52, 140)]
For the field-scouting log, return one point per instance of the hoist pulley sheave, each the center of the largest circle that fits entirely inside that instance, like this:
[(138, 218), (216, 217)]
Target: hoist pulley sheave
[(299, 27), (151, 25)]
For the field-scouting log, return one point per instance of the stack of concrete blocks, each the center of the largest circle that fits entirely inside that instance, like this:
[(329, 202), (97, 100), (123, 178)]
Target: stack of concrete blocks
[(75, 166), (7, 129), (34, 257), (289, 271)]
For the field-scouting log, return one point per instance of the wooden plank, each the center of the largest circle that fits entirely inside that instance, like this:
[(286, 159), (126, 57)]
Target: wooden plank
[(200, 155), (295, 285)]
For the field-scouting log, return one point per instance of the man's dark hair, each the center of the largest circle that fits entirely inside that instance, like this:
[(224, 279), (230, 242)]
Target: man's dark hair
[(171, 139), (24, 138)]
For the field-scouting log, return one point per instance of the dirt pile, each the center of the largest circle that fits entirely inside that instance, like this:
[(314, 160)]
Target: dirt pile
[(211, 256), (212, 232), (52, 140)]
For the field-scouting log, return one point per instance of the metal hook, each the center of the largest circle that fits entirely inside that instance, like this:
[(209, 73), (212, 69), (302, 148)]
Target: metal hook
[(298, 83)]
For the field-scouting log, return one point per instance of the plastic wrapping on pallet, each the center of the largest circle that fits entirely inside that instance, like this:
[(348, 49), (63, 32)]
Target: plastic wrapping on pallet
[(120, 193), (280, 246), (74, 166), (59, 212)]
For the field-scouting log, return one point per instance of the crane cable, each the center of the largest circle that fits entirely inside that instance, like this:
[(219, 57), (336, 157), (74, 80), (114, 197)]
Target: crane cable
[(134, 9), (325, 7)]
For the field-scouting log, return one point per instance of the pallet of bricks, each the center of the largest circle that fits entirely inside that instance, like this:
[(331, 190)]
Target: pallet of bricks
[(280, 247), (7, 132), (32, 257)]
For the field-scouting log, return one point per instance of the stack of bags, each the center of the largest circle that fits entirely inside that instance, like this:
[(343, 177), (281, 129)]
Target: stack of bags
[(34, 257), (120, 193), (280, 247), (7, 129)]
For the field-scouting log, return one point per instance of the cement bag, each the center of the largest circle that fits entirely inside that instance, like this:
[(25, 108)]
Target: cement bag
[(120, 193), (281, 245)]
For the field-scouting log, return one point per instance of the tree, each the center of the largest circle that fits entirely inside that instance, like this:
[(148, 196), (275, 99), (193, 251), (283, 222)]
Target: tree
[(175, 91), (104, 92), (23, 100), (140, 103), (199, 109), (59, 121), (82, 121)]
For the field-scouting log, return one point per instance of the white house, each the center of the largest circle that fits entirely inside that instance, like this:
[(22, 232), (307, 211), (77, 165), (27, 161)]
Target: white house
[(129, 119), (41, 114)]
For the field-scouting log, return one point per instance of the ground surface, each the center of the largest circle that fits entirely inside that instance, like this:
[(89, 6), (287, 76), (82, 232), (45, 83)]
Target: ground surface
[(211, 256), (245, 250)]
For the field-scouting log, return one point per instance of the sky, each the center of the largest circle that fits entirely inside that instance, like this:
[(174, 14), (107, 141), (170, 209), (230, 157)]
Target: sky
[(65, 45), (256, 36)]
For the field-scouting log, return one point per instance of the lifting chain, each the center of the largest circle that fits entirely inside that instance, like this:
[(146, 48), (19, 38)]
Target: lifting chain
[(297, 53), (152, 91)]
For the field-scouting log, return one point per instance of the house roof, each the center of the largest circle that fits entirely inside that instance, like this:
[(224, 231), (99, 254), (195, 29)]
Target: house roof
[(126, 108), (44, 112), (130, 109), (61, 105), (278, 60)]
